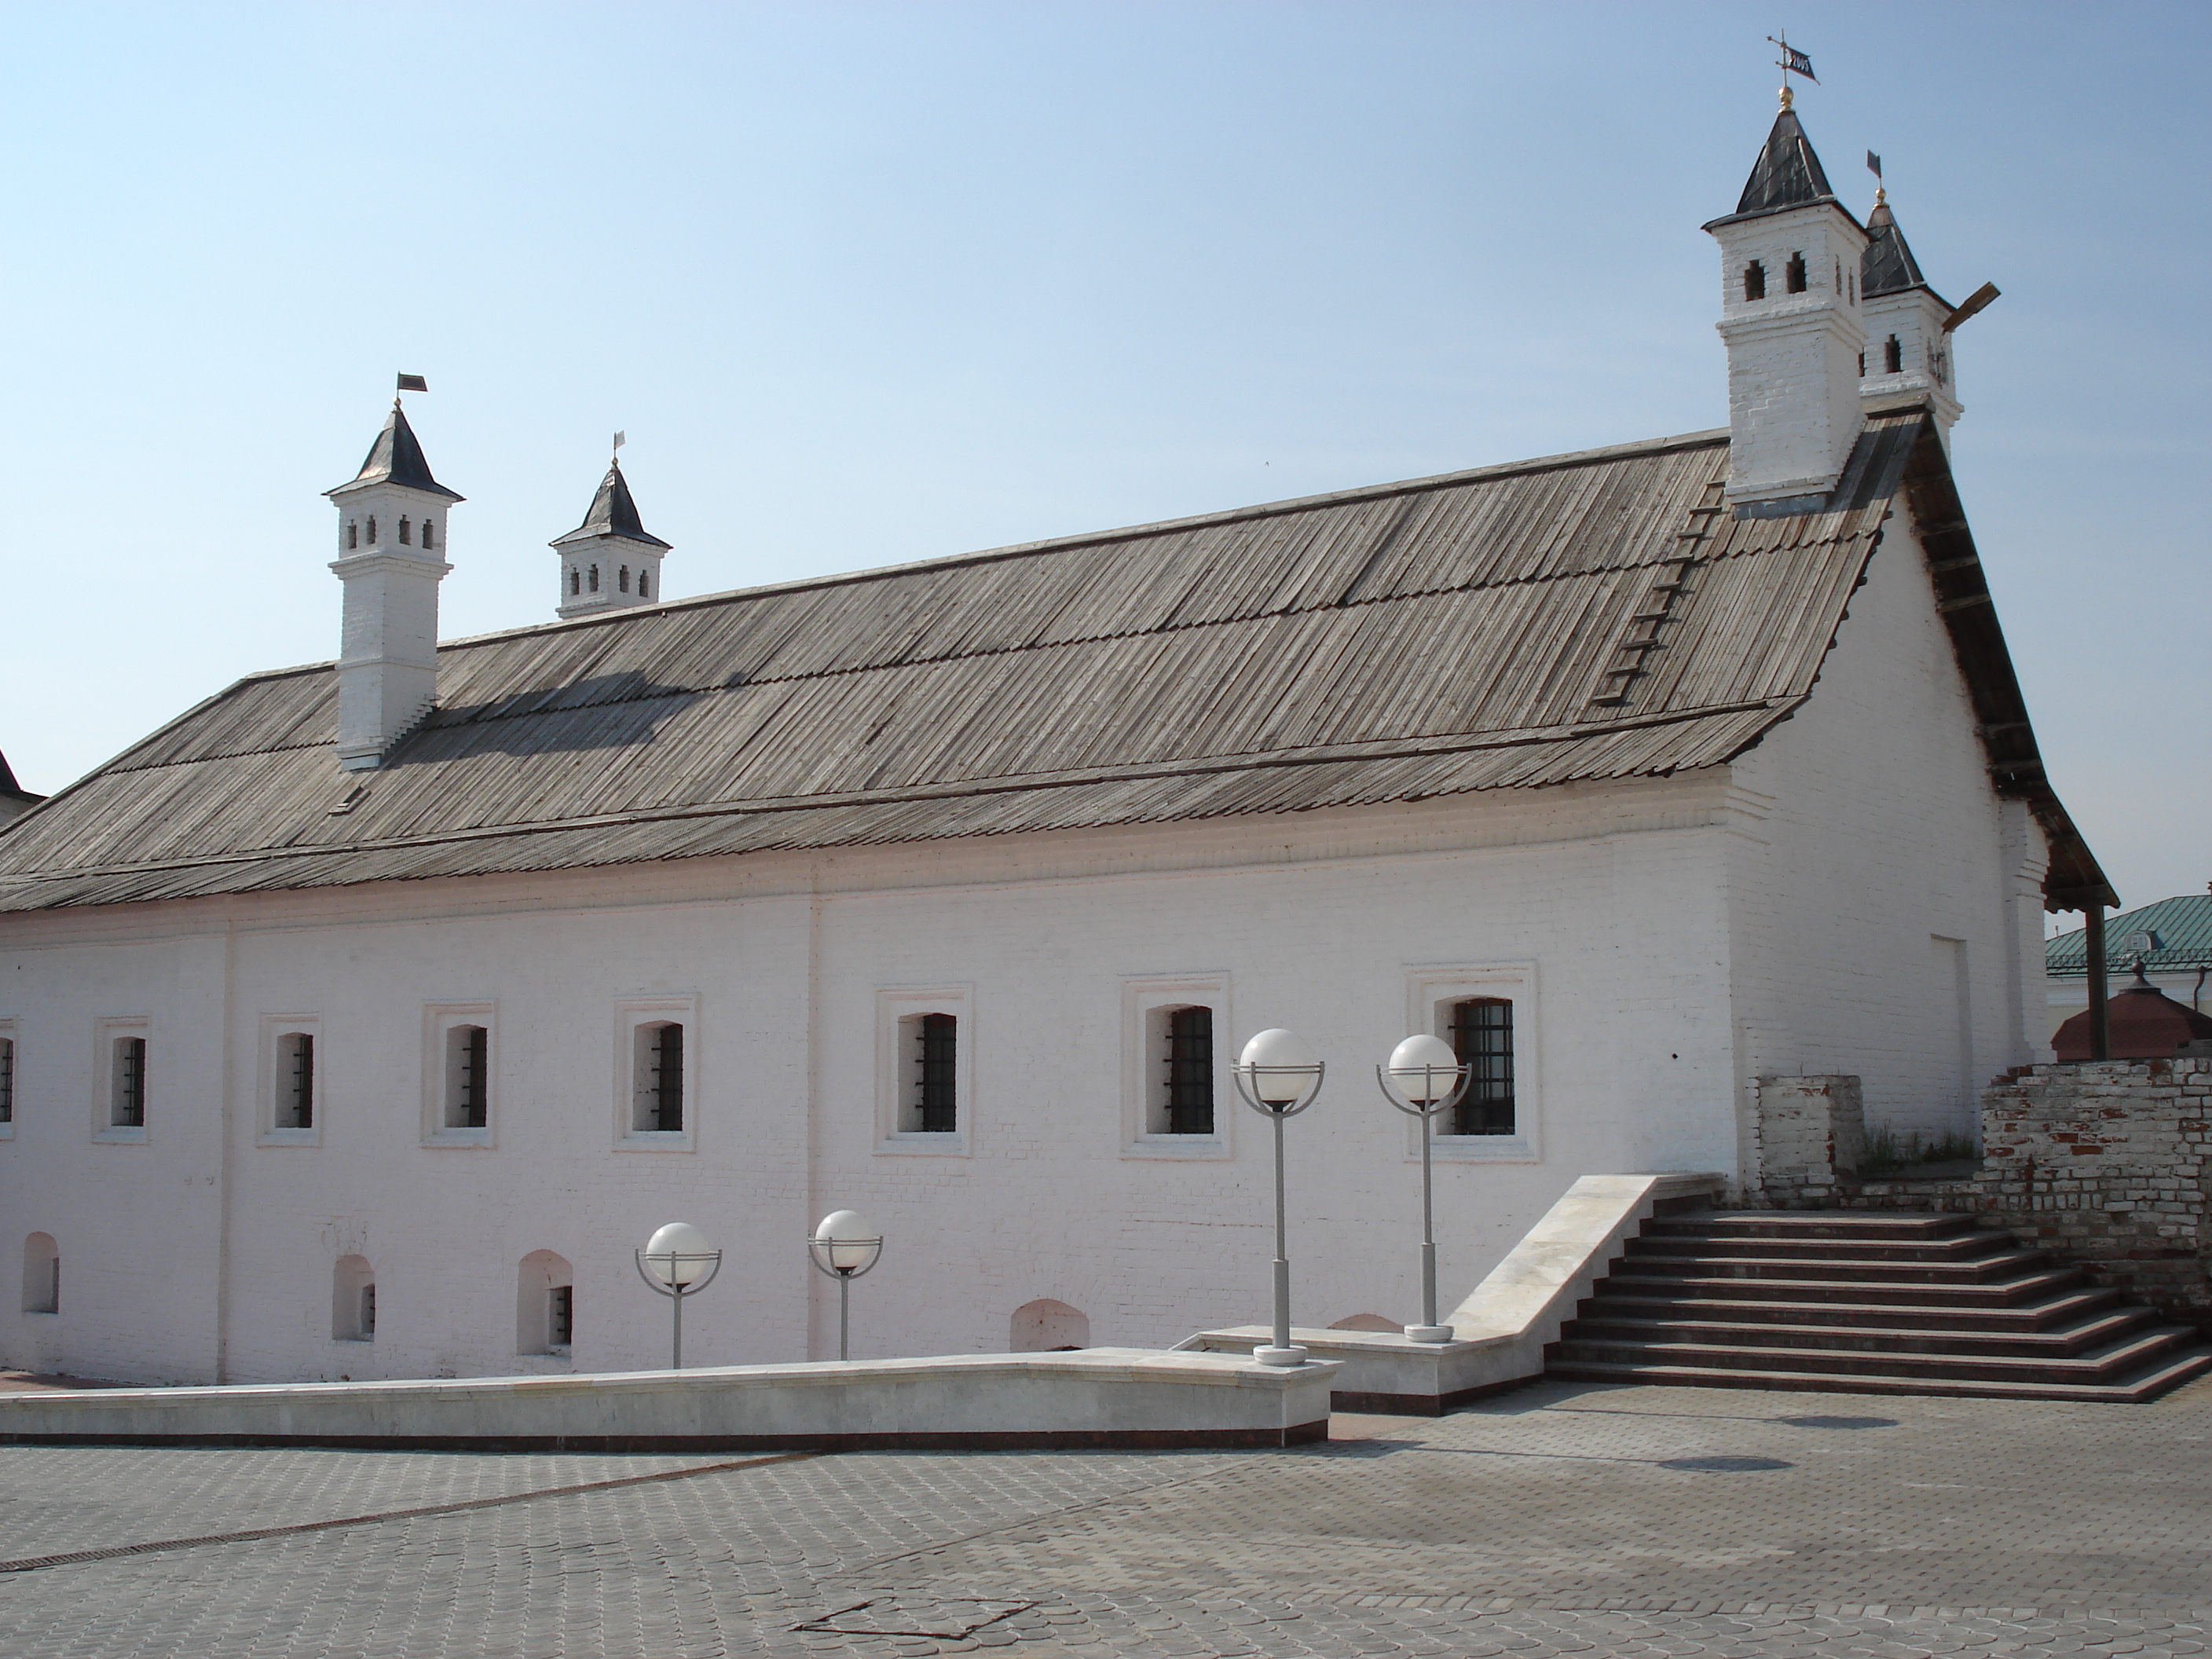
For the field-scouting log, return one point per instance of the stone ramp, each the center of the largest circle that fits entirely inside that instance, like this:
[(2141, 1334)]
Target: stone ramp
[(1856, 1302)]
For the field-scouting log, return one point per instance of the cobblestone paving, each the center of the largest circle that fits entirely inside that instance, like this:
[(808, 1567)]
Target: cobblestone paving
[(1564, 1519)]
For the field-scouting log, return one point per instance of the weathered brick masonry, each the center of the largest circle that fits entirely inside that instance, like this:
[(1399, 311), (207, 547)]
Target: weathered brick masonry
[(2106, 1165)]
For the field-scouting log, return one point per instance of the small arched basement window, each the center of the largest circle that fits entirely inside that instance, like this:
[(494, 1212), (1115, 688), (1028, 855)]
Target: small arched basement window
[(1482, 1039), (1046, 1326), (544, 1303), (1793, 274), (1892, 356), (1755, 280), (353, 1300), (42, 1274)]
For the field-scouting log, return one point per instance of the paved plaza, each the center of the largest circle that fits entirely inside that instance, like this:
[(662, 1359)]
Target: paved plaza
[(1562, 1519)]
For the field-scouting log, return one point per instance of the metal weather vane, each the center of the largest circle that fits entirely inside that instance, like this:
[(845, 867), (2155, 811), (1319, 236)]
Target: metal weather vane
[(1792, 62)]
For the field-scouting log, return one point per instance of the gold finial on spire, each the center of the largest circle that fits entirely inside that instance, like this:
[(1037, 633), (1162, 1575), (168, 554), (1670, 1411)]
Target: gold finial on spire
[(1880, 196), (1788, 98)]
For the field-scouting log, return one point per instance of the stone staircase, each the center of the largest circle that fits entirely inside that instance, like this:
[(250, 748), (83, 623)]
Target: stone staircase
[(1866, 1302)]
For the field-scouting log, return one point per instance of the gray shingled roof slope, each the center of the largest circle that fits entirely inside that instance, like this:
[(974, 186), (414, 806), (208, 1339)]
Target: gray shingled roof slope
[(1434, 637)]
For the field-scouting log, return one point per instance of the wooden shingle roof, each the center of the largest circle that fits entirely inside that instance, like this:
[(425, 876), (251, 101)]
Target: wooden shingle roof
[(1585, 617)]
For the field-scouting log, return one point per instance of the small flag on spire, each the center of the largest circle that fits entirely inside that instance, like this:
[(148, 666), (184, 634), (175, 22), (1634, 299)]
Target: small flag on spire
[(1794, 61), (413, 383), (1874, 164), (621, 438)]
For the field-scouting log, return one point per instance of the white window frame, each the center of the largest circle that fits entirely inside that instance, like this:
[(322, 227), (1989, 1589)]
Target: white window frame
[(8, 1034), (106, 1033), (439, 1018), (897, 1003), (630, 1013), (273, 1077), (1142, 996), (1430, 992)]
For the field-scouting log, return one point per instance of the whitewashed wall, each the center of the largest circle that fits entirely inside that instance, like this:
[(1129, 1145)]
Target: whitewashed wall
[(1678, 935), (1868, 834)]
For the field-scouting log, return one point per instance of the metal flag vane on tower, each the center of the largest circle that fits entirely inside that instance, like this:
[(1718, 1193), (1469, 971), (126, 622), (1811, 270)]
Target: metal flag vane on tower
[(621, 438), (1792, 62), (1881, 191)]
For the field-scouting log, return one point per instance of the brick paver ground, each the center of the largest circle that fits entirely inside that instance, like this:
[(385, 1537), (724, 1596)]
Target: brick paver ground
[(1564, 1519)]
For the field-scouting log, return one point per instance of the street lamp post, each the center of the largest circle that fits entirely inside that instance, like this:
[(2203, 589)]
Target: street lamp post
[(1279, 1077), (678, 1261), (843, 1248), (1425, 1079)]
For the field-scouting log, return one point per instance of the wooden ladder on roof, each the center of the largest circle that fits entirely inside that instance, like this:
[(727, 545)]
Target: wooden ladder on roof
[(1664, 604)]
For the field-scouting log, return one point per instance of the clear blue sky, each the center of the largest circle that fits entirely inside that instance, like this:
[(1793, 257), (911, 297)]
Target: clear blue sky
[(871, 282)]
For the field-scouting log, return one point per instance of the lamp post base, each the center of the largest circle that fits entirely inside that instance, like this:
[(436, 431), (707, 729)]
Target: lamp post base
[(1270, 1355), (1429, 1332)]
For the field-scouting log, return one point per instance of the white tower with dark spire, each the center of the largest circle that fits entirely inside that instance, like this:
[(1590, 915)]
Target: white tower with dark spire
[(1791, 315), (1908, 352), (609, 561), (392, 534)]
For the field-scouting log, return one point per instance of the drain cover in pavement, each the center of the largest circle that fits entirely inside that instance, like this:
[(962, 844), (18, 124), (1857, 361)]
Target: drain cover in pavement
[(950, 1617)]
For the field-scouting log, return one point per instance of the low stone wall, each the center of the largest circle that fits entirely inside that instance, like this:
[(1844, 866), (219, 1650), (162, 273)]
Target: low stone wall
[(1119, 1397), (2107, 1165), (1811, 1135)]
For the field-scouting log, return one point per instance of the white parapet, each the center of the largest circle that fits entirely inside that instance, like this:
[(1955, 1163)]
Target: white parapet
[(1500, 1332), (1127, 1397)]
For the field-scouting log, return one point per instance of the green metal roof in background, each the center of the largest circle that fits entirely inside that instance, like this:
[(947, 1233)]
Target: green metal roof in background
[(2184, 928)]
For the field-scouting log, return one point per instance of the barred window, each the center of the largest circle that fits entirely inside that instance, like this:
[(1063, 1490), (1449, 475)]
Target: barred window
[(7, 1079), (468, 1077), (1188, 1063), (657, 1077), (127, 1109), (295, 1081), (1482, 1038), (932, 1046)]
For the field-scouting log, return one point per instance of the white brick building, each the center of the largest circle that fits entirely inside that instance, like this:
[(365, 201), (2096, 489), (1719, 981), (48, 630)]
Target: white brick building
[(361, 1021)]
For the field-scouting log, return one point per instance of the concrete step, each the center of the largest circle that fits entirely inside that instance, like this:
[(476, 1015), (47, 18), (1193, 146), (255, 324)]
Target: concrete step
[(1854, 1270), (2068, 1341), (2112, 1363), (2048, 1314), (1817, 1224), (1958, 1247), (2028, 1288), (2168, 1374)]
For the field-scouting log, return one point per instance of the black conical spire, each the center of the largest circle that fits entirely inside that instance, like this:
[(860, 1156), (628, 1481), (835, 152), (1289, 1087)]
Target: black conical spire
[(1887, 265), (1788, 173), (613, 514), (396, 457)]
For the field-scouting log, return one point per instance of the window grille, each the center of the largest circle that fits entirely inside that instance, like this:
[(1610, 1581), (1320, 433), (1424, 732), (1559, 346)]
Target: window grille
[(1482, 1038), (937, 1037), (129, 1109), (468, 1077), (665, 1078), (560, 1314), (297, 1101), (7, 1079), (367, 1312), (1189, 1062)]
